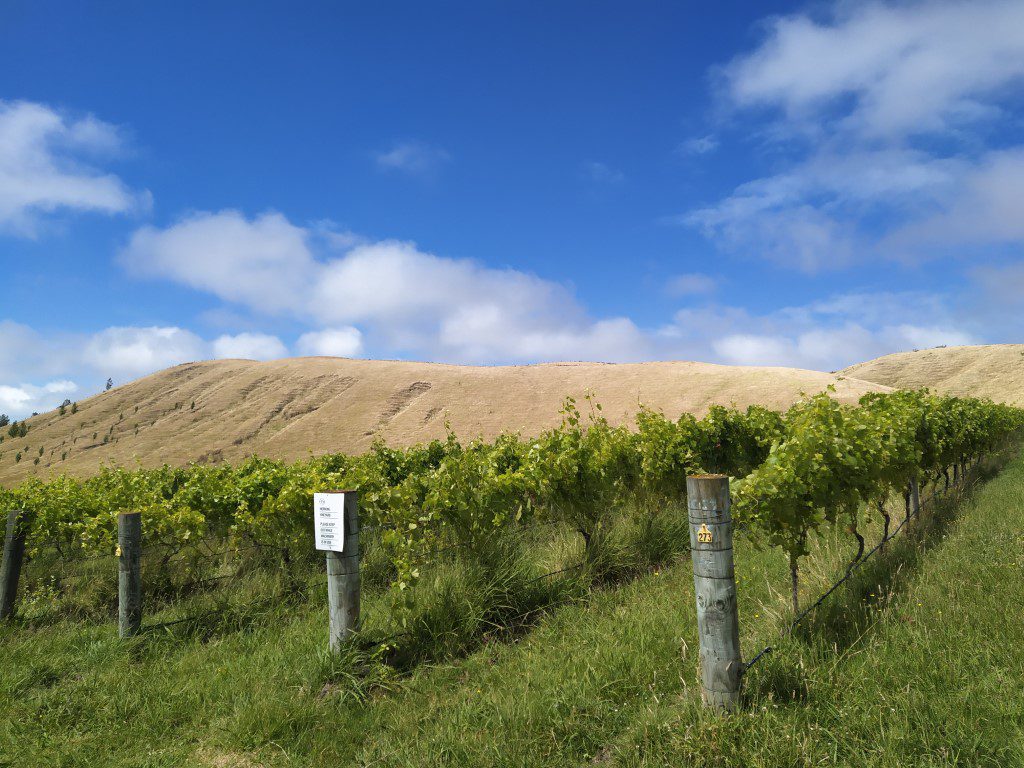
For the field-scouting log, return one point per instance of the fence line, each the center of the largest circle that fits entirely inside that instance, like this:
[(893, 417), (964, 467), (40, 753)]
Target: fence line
[(130, 573), (788, 630)]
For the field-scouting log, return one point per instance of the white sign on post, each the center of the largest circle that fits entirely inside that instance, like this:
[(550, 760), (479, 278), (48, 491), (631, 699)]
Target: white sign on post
[(329, 521)]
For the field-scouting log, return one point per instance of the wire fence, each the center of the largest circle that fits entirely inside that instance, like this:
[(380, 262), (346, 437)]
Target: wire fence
[(852, 569), (176, 574)]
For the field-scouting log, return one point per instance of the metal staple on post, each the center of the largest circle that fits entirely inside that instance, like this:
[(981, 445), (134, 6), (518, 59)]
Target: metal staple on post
[(721, 667), (343, 578), (14, 555), (129, 573)]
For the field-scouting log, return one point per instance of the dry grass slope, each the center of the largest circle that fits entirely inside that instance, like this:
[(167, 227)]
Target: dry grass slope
[(227, 409), (994, 370)]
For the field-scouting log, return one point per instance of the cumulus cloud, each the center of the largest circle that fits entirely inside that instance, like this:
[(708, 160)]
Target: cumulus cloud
[(44, 167), (137, 351), (249, 346), (37, 371), (412, 157), (21, 400), (331, 342), (398, 299), (401, 298), (823, 335), (266, 263)]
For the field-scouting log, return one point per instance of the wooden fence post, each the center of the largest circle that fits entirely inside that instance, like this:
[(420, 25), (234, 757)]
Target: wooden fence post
[(718, 628), (129, 573), (343, 578), (10, 569), (915, 497)]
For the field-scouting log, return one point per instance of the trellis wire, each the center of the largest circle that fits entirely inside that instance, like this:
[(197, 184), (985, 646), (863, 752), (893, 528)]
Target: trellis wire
[(849, 573)]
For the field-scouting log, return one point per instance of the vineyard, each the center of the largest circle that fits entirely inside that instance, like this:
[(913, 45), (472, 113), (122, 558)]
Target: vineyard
[(593, 498), (464, 544)]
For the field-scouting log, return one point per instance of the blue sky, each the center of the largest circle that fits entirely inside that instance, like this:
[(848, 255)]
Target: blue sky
[(497, 182)]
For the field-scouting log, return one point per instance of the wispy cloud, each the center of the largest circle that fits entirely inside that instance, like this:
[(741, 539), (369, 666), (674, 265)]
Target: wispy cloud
[(412, 157), (693, 283), (886, 70), (880, 106), (699, 145), (45, 167)]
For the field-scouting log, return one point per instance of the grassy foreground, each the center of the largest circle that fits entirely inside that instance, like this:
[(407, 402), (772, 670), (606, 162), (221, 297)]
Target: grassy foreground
[(919, 661)]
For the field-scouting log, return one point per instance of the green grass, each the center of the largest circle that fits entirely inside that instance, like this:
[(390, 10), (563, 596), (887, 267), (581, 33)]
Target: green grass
[(918, 661)]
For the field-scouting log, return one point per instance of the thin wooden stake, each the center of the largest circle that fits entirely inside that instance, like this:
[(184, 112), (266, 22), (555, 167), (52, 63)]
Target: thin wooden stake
[(14, 555), (714, 583), (915, 497), (343, 578), (129, 573)]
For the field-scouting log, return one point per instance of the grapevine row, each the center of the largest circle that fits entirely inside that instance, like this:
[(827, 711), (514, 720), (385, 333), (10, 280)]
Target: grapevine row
[(820, 464)]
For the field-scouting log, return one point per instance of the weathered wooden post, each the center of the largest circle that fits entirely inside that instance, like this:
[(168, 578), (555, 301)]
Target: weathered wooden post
[(14, 555), (714, 583), (336, 517), (129, 573), (915, 497)]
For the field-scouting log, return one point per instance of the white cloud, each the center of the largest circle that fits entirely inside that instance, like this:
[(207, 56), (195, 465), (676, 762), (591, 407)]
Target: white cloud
[(885, 70), (402, 299), (265, 263), (332, 342), (249, 346), (412, 157), (831, 348), (135, 352), (809, 216), (823, 335), (398, 300), (44, 168), (22, 400), (882, 108), (69, 362), (469, 313), (987, 208), (751, 349)]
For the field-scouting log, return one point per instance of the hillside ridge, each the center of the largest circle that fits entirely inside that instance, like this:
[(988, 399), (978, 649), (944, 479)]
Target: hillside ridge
[(995, 371), (225, 410)]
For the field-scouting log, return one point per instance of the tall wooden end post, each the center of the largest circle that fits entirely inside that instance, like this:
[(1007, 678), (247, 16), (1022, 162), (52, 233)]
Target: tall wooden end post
[(714, 582), (129, 573), (343, 578), (14, 555)]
